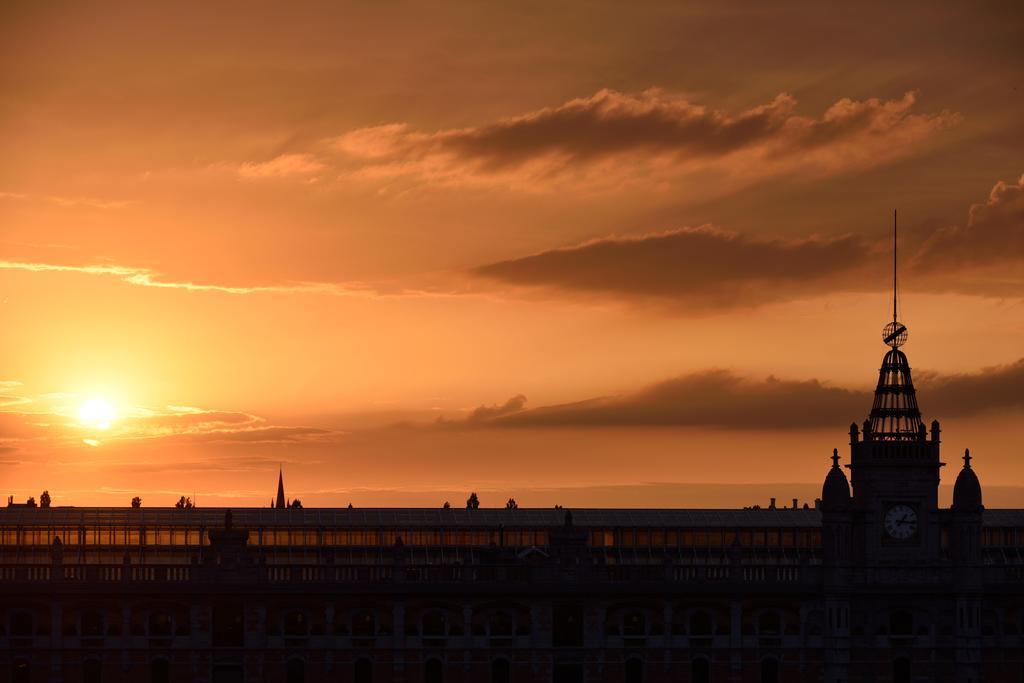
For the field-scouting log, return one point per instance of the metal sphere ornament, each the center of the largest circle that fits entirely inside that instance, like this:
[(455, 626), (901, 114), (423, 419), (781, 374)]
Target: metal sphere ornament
[(895, 334)]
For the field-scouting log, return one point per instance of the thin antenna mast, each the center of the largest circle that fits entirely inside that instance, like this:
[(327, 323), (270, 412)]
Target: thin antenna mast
[(894, 265)]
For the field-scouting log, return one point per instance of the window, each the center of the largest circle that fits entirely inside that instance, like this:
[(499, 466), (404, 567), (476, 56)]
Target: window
[(634, 671), (700, 671), (92, 671), (567, 629), (21, 624), (770, 670), (901, 670), (363, 672), (159, 671), (434, 625), (228, 626), (634, 625), (363, 625), (500, 671), (700, 624), (228, 673), (92, 625), (433, 672), (769, 624), (901, 623), (568, 673), (160, 624), (296, 625), (502, 626), (21, 672)]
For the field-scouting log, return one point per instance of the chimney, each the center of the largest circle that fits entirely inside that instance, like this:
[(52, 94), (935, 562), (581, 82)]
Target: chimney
[(771, 506), (794, 504)]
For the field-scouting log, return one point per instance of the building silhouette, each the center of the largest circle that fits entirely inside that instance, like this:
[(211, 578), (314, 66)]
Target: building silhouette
[(876, 583)]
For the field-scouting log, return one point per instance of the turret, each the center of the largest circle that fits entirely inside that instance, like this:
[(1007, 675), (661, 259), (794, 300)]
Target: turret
[(967, 490), (835, 492)]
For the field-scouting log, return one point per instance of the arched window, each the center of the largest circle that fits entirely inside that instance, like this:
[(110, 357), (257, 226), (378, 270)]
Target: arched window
[(901, 670), (433, 672), (901, 623), (634, 625), (296, 671), (92, 624), (363, 672), (159, 671), (364, 625), (434, 625), (228, 673), (92, 671), (501, 625), (769, 624), (634, 671), (700, 624), (500, 671), (21, 671), (228, 625), (296, 625), (700, 671), (769, 670), (567, 630), (160, 624), (21, 624)]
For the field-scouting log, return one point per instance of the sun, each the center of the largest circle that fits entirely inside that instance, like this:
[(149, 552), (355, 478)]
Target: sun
[(96, 413)]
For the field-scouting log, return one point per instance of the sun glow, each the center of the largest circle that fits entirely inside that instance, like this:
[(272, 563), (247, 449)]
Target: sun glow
[(96, 413)]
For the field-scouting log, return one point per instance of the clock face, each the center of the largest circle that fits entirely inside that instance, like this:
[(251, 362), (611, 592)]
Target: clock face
[(901, 522)]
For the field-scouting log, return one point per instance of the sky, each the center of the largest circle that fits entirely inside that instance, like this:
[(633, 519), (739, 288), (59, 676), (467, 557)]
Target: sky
[(590, 254)]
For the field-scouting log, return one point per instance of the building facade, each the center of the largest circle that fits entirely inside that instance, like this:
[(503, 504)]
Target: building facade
[(875, 582)]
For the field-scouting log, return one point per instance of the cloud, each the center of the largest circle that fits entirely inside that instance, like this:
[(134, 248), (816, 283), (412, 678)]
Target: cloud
[(144, 277), (54, 423), (651, 133), (282, 166), (722, 399), (695, 267), (74, 202), (482, 414), (995, 389), (993, 234)]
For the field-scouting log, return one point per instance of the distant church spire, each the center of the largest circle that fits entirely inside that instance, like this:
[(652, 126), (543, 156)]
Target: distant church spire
[(280, 490), (895, 415)]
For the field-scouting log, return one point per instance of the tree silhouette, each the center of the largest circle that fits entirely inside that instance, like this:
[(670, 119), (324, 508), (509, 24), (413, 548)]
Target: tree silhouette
[(511, 504), (44, 499), (473, 502), (446, 505), (184, 503), (295, 504), (31, 502), (136, 502)]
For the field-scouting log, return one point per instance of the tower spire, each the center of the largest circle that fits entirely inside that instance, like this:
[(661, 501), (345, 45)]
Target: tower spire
[(894, 414), (894, 318), (280, 489)]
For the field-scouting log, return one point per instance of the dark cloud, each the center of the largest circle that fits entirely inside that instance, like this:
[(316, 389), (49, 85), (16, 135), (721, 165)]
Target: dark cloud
[(993, 234), (697, 267), (268, 434), (722, 399), (485, 413), (659, 131), (995, 389), (714, 398)]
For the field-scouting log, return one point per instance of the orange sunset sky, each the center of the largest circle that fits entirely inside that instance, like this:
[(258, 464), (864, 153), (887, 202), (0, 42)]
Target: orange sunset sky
[(606, 254)]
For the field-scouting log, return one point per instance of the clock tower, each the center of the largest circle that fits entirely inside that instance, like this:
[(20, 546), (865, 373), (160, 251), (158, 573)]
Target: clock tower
[(894, 472), (894, 467)]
